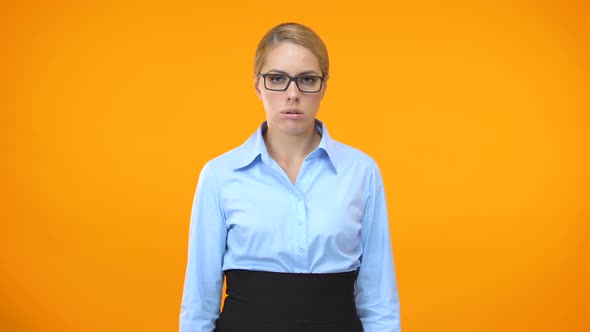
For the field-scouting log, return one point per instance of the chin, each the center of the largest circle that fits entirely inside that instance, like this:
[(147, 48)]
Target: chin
[(298, 127)]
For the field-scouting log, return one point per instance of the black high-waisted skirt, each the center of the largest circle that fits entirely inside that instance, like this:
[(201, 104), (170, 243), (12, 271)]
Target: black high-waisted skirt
[(289, 302)]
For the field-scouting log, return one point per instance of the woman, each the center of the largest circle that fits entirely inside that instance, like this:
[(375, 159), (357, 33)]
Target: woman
[(296, 221)]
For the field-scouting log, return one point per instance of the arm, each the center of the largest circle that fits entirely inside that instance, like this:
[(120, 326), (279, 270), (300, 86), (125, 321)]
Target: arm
[(376, 292), (201, 298)]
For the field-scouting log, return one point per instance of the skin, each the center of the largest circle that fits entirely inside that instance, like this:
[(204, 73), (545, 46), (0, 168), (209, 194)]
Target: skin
[(290, 140)]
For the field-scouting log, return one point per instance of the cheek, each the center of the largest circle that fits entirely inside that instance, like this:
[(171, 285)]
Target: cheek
[(269, 101), (271, 98), (315, 101)]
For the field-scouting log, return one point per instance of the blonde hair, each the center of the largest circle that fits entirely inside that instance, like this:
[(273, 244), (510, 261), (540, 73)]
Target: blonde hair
[(295, 33)]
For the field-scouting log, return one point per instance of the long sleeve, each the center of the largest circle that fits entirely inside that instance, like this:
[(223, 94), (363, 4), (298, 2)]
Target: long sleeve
[(376, 291), (204, 277)]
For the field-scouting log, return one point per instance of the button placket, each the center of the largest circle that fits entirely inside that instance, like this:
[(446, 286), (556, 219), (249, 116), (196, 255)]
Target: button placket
[(301, 233)]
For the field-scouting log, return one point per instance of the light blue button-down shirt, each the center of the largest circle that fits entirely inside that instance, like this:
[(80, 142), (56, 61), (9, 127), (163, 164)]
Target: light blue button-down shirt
[(248, 215)]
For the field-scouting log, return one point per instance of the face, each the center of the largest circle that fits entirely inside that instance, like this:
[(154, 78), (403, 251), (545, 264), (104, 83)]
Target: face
[(291, 112)]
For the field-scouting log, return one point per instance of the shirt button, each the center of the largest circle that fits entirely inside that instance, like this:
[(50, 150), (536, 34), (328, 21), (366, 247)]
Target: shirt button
[(298, 199), (299, 222), (300, 249)]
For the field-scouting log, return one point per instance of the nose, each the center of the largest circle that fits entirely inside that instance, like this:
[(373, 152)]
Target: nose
[(293, 93)]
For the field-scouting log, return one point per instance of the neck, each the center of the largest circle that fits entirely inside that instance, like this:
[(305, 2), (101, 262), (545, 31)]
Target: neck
[(285, 148)]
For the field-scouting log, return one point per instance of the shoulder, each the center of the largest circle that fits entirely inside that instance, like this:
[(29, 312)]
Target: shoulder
[(349, 157), (229, 160), (343, 156), (226, 163), (355, 163)]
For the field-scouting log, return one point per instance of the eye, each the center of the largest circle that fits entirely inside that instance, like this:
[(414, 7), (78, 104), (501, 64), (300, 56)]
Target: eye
[(308, 80), (275, 78)]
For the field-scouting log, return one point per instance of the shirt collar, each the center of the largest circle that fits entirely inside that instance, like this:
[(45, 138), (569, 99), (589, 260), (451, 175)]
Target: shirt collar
[(254, 148)]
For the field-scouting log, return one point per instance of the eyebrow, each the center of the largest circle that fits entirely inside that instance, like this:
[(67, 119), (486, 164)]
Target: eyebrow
[(282, 72)]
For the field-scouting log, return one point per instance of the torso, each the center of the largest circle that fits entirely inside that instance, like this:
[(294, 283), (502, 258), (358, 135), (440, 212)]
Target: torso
[(292, 170)]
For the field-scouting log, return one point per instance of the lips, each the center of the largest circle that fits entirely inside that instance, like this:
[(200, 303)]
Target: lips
[(292, 114)]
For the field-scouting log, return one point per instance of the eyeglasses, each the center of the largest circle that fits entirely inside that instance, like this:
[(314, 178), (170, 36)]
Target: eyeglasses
[(281, 82)]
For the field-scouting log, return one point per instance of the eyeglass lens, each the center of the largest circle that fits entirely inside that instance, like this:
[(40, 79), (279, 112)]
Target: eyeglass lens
[(280, 82)]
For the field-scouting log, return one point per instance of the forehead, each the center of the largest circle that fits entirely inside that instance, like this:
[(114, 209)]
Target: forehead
[(291, 58)]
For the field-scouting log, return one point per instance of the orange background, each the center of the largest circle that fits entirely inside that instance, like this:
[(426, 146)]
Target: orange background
[(478, 115)]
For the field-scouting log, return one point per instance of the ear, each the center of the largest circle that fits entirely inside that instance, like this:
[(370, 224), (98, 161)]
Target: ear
[(256, 83)]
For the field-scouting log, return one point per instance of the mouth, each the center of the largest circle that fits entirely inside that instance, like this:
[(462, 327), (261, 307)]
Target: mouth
[(292, 113)]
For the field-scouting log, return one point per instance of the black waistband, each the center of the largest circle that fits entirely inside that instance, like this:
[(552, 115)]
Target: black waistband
[(299, 298)]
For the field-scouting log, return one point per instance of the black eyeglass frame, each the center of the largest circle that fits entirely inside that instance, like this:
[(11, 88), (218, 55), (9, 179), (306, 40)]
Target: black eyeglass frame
[(292, 79)]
